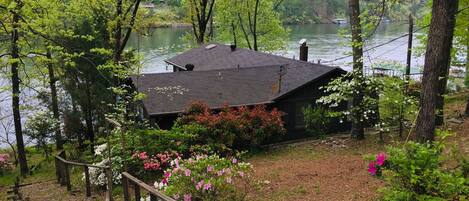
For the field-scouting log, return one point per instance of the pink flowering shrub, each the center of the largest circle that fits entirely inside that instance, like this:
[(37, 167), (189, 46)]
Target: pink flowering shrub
[(375, 166), (147, 165), (235, 128), (422, 171), (4, 164), (206, 178)]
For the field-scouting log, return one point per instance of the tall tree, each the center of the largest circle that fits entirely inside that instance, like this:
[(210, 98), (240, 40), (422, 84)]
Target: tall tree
[(252, 24), (437, 60), (54, 99), (358, 131), (14, 10), (200, 12)]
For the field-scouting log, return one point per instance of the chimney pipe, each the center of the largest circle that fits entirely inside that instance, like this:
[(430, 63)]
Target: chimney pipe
[(189, 67), (233, 47), (303, 50)]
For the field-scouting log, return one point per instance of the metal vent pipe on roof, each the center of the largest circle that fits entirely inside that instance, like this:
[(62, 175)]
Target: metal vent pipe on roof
[(303, 50), (189, 67)]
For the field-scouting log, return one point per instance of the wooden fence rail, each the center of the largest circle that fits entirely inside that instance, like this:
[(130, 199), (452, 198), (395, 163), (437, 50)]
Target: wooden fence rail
[(62, 171), (129, 180)]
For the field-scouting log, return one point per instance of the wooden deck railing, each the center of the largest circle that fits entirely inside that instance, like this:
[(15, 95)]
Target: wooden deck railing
[(129, 180), (62, 171)]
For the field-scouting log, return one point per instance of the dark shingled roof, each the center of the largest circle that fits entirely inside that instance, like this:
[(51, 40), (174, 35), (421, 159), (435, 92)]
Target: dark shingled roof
[(169, 93), (221, 57)]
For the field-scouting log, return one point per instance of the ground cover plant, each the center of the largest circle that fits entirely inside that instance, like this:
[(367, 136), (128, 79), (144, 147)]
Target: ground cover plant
[(422, 171)]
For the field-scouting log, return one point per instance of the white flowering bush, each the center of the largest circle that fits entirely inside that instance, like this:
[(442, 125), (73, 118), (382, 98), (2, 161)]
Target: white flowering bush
[(98, 175), (345, 87), (385, 102)]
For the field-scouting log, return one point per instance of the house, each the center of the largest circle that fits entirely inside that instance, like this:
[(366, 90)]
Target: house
[(220, 75)]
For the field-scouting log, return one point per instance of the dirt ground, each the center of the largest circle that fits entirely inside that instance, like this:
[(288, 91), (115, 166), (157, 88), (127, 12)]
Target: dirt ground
[(331, 169), (51, 191)]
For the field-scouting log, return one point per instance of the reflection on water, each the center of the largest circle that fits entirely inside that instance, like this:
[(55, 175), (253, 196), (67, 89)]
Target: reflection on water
[(324, 40)]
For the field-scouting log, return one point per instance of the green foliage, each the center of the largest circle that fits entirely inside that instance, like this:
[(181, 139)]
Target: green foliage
[(268, 31), (40, 127), (317, 120), (395, 103), (418, 172), (342, 89), (207, 178), (178, 139)]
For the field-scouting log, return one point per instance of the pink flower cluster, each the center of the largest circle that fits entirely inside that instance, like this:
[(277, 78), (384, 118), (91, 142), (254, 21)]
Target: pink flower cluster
[(3, 158), (202, 185), (158, 161), (374, 167)]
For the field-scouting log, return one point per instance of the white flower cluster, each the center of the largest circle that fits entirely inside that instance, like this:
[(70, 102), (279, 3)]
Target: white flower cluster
[(98, 175), (98, 150)]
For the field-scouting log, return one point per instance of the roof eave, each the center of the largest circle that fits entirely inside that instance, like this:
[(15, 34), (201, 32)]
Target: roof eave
[(340, 70), (213, 108), (174, 64)]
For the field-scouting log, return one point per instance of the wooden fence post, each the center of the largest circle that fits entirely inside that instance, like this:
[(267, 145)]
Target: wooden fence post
[(109, 183), (67, 177), (87, 181), (125, 188), (57, 169), (137, 191)]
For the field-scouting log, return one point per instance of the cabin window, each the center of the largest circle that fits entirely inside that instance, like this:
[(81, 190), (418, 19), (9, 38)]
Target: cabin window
[(299, 116)]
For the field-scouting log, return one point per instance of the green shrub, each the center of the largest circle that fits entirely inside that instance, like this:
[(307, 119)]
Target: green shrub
[(317, 121), (418, 172)]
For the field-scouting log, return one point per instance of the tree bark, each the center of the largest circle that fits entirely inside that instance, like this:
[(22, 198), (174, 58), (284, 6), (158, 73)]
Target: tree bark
[(203, 16), (358, 131), (89, 116), (254, 27), (467, 72), (437, 59), (118, 33), (15, 80), (55, 104)]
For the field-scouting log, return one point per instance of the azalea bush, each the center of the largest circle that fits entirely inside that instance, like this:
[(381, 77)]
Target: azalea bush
[(206, 178), (4, 164), (420, 172), (148, 166), (234, 128)]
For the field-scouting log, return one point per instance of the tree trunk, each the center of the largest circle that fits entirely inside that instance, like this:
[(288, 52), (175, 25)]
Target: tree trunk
[(15, 80), (358, 131), (254, 28), (467, 107), (203, 16), (89, 115), (467, 72), (118, 33), (55, 104), (437, 60)]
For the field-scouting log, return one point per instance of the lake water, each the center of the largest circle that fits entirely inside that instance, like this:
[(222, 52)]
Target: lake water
[(324, 40)]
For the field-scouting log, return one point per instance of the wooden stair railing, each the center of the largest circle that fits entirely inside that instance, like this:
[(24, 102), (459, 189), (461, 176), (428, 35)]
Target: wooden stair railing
[(129, 180), (62, 171)]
